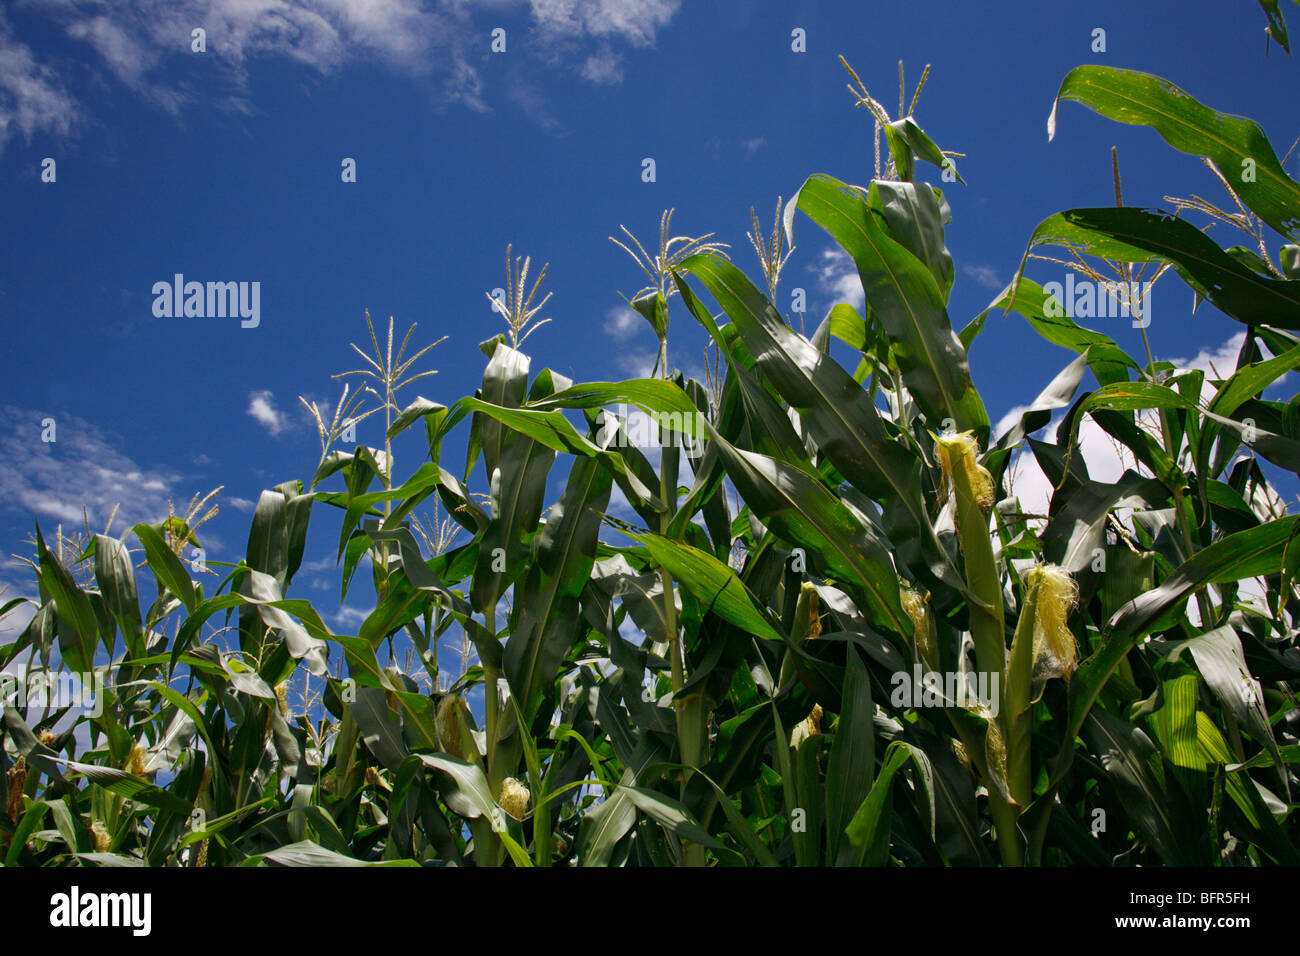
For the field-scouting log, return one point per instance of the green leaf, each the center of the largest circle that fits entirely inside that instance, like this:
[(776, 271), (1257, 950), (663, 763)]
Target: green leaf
[(124, 784), (1108, 362), (546, 623), (1174, 723), (915, 215), (1276, 24), (1139, 235), (853, 753), (661, 399), (427, 479), (381, 729), (1244, 384), (73, 607), (307, 853), (869, 830), (1254, 552), (841, 416), (800, 509), (605, 825), (711, 582), (608, 823), (1222, 662), (921, 144), (116, 578), (1128, 96), (268, 537), (552, 429), (904, 298), (673, 816), (167, 568), (1076, 530), (1126, 755), (471, 796), (654, 310), (31, 819)]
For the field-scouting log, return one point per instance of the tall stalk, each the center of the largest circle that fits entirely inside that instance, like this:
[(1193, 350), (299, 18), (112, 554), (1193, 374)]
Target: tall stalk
[(973, 495)]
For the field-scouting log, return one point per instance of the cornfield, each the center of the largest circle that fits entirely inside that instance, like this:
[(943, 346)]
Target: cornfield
[(831, 636)]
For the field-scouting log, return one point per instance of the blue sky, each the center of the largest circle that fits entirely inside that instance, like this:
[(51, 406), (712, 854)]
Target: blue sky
[(225, 166)]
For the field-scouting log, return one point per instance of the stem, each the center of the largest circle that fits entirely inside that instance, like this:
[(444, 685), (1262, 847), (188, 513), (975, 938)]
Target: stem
[(691, 719), (987, 633), (492, 710), (1004, 822), (491, 701), (688, 719)]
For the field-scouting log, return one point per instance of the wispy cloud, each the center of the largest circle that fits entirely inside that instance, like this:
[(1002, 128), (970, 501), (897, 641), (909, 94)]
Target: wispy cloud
[(261, 405), (838, 277), (637, 364), (604, 68), (32, 99), (622, 323), (635, 21), (754, 145), (1220, 362), (439, 41), (348, 618), (986, 276), (82, 466)]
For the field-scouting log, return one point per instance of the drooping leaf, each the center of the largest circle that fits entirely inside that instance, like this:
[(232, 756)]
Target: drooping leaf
[(1233, 143)]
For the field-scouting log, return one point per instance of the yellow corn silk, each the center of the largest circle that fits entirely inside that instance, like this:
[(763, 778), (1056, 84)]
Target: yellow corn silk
[(1056, 654), (514, 798), (958, 454)]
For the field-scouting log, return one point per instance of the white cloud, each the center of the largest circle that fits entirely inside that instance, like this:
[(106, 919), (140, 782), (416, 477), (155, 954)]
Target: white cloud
[(839, 278), (1219, 362), (349, 618), (82, 467), (526, 95), (753, 145), (125, 57), (622, 323), (604, 68), (1006, 421), (636, 21), (438, 39), (637, 364), (241, 504), (32, 99), (465, 86), (261, 405), (986, 276), (322, 564)]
